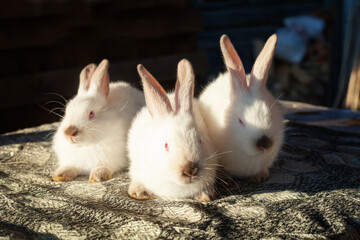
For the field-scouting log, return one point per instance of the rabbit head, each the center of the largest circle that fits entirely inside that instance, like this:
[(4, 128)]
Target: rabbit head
[(255, 119), (87, 117), (178, 150)]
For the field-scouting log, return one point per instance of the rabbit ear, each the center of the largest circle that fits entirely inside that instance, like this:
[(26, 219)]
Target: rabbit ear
[(259, 73), (85, 78), (156, 99), (100, 79), (184, 89), (233, 63)]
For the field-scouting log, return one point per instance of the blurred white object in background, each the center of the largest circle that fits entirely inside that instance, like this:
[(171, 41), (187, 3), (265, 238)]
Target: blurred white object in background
[(293, 38)]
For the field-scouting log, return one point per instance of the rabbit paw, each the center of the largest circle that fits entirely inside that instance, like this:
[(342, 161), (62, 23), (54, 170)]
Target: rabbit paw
[(260, 177), (138, 192), (204, 197), (64, 174), (99, 174)]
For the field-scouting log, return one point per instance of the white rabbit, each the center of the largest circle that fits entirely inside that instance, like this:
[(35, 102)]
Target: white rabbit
[(242, 117), (91, 138), (170, 153)]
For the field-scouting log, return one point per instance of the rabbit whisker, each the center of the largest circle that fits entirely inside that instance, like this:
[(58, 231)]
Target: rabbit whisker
[(124, 105), (60, 103), (213, 185), (221, 153), (231, 179), (216, 164), (277, 99), (215, 154), (207, 183), (224, 185), (217, 177), (49, 135), (57, 94), (50, 111), (53, 110), (284, 130)]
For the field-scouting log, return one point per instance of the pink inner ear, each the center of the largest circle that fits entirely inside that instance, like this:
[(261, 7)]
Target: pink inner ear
[(156, 98), (85, 77), (233, 61), (88, 75), (177, 102), (184, 88), (166, 147), (105, 85), (259, 73), (100, 79)]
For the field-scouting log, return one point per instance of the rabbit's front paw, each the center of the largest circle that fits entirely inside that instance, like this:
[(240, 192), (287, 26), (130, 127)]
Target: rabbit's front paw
[(138, 192), (64, 174), (204, 196), (99, 174)]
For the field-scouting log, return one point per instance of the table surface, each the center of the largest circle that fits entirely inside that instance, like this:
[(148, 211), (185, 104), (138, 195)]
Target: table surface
[(313, 191)]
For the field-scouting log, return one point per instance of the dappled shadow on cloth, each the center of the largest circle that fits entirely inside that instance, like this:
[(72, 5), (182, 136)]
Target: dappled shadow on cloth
[(20, 138), (20, 232), (312, 193), (313, 159)]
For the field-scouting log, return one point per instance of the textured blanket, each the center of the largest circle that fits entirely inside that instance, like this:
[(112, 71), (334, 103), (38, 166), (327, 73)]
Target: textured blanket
[(313, 193)]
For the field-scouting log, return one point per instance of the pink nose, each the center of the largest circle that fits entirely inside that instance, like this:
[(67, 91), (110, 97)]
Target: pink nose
[(264, 142), (71, 131), (189, 170)]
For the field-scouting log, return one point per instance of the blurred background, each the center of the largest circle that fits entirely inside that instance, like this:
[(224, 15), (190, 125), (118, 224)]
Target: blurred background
[(44, 44)]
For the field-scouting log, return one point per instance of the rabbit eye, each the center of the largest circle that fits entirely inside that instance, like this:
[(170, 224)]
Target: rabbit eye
[(91, 115), (200, 141), (241, 122), (166, 147)]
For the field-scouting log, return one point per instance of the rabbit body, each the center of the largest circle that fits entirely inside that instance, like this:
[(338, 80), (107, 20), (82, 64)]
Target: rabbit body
[(243, 119), (93, 134), (170, 154)]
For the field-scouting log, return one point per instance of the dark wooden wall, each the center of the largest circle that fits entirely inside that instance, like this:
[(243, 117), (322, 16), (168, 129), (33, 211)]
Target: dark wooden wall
[(249, 23), (45, 44), (245, 21)]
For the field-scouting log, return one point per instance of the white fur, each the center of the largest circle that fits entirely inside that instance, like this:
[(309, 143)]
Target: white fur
[(160, 171), (102, 140), (222, 106)]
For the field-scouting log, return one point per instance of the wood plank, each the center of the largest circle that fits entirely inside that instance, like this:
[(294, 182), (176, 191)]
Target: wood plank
[(57, 31), (113, 8), (218, 4), (10, 9), (19, 117), (210, 39), (27, 89), (216, 63), (46, 58), (163, 67), (273, 14)]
